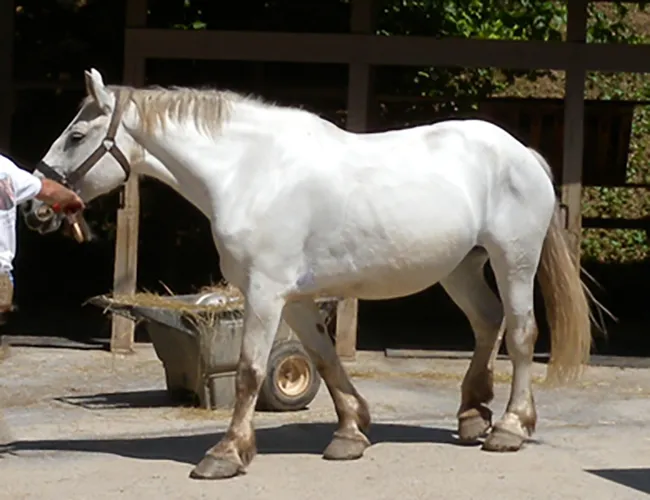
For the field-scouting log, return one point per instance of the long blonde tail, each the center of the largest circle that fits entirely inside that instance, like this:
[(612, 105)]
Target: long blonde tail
[(565, 297), (567, 307)]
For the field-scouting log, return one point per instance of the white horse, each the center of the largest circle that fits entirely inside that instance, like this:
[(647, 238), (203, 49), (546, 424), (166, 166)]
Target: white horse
[(301, 208)]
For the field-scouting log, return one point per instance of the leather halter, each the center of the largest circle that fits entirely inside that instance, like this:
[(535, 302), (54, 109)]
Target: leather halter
[(107, 145)]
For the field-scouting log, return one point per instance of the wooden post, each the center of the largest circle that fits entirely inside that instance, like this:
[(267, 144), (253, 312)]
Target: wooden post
[(125, 276), (574, 111), (6, 72), (361, 102), (360, 105)]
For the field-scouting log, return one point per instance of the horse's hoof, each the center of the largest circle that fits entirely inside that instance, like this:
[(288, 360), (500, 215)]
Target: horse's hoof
[(211, 467), (346, 448), (471, 428), (502, 440)]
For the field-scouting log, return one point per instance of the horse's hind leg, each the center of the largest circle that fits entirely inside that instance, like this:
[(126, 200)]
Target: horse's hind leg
[(515, 262), (467, 287), (349, 442)]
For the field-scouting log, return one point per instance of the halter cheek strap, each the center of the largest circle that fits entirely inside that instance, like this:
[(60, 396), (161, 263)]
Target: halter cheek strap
[(107, 145)]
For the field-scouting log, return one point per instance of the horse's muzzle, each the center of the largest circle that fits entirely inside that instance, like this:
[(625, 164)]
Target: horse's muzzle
[(40, 217)]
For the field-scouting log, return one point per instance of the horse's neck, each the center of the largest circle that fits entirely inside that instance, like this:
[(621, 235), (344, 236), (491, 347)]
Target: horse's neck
[(150, 166), (203, 169)]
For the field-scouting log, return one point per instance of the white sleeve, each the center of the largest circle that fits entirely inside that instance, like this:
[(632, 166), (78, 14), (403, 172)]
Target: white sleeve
[(26, 186)]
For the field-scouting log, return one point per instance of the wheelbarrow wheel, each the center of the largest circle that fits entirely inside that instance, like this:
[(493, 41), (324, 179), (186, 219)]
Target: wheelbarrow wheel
[(292, 380)]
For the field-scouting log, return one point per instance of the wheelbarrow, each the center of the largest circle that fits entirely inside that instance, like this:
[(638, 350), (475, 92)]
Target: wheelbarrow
[(198, 342)]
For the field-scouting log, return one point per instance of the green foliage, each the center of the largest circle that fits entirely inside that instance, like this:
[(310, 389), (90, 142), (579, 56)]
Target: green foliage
[(191, 17), (610, 26), (460, 88), (614, 245), (621, 245), (493, 19), (614, 24)]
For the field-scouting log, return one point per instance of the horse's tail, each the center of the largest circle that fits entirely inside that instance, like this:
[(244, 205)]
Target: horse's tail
[(566, 300)]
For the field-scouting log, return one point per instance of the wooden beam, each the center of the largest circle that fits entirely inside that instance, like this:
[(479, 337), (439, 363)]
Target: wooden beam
[(360, 110), (7, 13), (574, 111), (360, 97), (387, 50), (361, 102), (125, 276), (136, 14)]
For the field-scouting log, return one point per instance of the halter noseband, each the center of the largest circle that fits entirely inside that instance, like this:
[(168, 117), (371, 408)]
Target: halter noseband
[(107, 146)]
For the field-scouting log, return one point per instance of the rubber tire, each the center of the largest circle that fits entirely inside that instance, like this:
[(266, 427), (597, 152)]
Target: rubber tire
[(270, 398)]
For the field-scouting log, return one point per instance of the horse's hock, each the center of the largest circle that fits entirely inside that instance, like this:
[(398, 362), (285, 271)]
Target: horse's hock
[(198, 342)]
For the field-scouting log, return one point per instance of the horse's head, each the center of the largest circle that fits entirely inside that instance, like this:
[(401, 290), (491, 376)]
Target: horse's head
[(91, 154)]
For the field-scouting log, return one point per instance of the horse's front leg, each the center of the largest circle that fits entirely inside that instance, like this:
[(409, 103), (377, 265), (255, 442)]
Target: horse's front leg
[(236, 449)]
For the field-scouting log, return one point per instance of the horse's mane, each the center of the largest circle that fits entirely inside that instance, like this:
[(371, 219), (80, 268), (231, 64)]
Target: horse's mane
[(208, 108)]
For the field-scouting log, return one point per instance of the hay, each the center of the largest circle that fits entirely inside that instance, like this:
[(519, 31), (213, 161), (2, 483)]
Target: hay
[(226, 303), (232, 302)]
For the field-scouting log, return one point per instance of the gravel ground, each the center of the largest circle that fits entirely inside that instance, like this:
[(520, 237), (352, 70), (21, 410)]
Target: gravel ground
[(88, 424)]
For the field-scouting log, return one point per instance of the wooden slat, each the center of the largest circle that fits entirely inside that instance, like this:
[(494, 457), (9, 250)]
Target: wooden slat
[(360, 109), (618, 223), (125, 275), (346, 328), (6, 72), (387, 50), (126, 264), (574, 111)]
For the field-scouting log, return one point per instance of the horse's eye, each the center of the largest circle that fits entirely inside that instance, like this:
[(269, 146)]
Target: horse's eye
[(77, 136)]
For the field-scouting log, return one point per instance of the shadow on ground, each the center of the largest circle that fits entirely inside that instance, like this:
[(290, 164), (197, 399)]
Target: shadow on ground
[(307, 438), (117, 400), (138, 399), (638, 479)]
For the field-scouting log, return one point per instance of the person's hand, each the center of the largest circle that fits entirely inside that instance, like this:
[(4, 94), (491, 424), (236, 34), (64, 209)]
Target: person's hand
[(71, 207), (60, 198)]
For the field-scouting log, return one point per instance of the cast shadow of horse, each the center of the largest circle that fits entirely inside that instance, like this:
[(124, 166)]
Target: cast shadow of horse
[(294, 438)]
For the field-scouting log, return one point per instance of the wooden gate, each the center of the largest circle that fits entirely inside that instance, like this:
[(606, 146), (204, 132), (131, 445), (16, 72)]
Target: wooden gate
[(539, 123)]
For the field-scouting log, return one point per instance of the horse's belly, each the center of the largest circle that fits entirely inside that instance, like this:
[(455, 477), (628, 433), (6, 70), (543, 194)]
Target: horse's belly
[(397, 285), (397, 281), (382, 272)]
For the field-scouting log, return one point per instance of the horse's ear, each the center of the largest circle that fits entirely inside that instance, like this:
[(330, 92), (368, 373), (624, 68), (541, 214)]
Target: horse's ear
[(97, 90)]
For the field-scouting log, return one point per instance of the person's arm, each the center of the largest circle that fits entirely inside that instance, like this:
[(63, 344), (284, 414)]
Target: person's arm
[(27, 186)]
